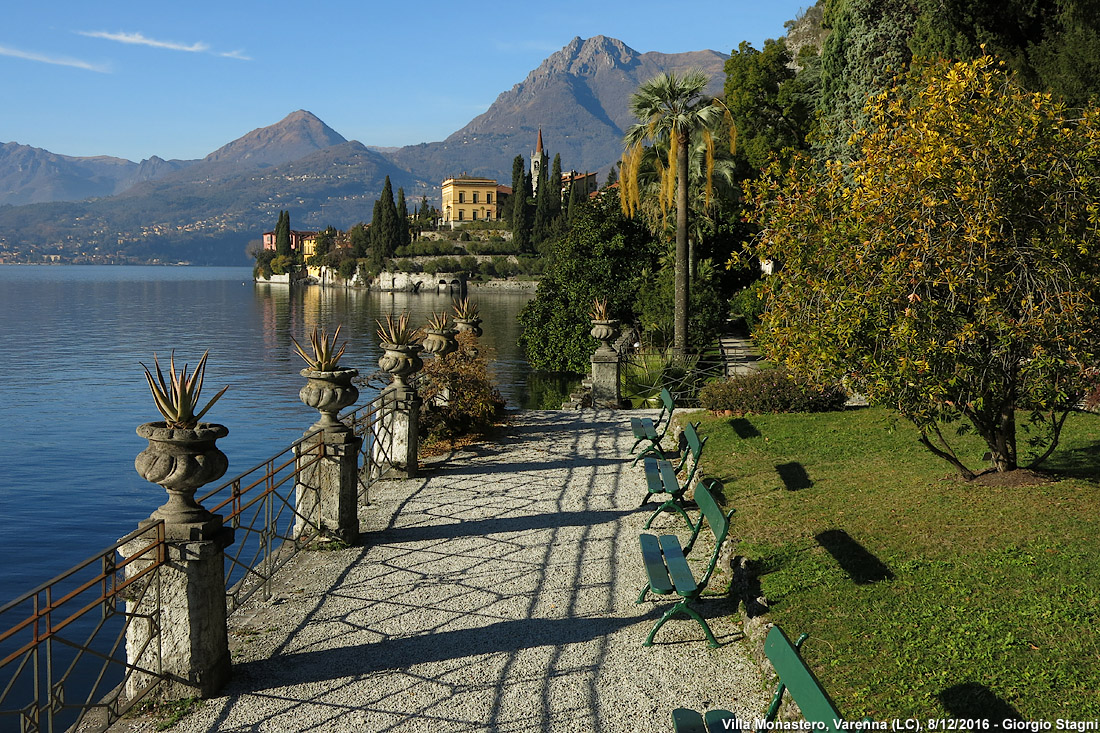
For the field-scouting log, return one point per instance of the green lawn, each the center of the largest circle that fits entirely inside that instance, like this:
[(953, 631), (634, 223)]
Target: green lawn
[(923, 596)]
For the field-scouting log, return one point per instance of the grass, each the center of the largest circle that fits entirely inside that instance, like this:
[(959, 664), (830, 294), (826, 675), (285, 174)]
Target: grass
[(924, 596), (167, 714)]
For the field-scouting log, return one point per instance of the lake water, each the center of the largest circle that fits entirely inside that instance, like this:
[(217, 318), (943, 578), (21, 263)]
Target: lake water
[(73, 390)]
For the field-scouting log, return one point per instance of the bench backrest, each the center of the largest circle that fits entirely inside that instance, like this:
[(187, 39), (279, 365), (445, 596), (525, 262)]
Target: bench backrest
[(667, 403), (793, 673), (717, 521), (692, 449)]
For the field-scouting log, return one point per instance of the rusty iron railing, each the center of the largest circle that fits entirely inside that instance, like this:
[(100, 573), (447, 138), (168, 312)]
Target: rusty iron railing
[(63, 657), (370, 422), (63, 661)]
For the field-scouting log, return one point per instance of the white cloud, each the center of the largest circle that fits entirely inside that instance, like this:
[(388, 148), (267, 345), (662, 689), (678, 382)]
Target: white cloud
[(56, 60), (139, 39)]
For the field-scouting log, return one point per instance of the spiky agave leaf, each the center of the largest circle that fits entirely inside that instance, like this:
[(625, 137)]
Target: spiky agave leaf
[(326, 357), (177, 397)]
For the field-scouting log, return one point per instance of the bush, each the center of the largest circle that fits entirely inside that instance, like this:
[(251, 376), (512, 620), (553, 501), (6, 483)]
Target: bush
[(495, 246), (749, 304), (347, 268), (770, 391), (458, 392), (282, 264)]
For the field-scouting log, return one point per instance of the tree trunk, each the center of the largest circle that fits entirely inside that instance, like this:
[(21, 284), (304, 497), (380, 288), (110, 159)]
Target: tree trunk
[(1003, 447), (680, 297)]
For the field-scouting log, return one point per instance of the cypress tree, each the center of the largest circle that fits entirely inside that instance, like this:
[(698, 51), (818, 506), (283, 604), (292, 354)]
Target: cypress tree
[(544, 217), (384, 227), (517, 186), (377, 248), (403, 235), (282, 234), (522, 215), (555, 187)]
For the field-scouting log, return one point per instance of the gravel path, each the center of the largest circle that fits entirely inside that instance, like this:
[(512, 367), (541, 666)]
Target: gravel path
[(496, 593)]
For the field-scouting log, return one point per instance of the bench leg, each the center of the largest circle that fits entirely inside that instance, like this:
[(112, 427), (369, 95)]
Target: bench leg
[(641, 596), (667, 615), (683, 606), (711, 641), (670, 504), (636, 443)]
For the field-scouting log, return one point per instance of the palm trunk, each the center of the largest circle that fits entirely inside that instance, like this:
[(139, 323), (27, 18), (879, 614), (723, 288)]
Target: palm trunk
[(680, 297)]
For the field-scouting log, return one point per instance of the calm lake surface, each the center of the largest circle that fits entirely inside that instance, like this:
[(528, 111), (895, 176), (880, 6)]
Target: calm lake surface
[(73, 390)]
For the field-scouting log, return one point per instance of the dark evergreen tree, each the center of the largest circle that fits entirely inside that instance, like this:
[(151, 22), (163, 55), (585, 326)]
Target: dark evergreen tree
[(377, 254), (612, 176), (404, 237), (522, 215), (282, 234), (555, 185), (518, 168), (359, 237), (384, 231), (544, 216), (770, 109)]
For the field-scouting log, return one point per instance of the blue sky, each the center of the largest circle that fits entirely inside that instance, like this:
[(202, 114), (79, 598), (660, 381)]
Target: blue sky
[(179, 80)]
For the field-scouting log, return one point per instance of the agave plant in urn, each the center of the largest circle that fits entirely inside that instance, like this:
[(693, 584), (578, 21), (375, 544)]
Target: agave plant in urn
[(401, 355), (182, 455), (328, 387), (467, 316), (604, 328), (440, 337)]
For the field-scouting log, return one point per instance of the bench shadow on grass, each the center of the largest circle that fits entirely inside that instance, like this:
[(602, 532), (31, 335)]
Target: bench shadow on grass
[(860, 565), (794, 476), (744, 429), (973, 701)]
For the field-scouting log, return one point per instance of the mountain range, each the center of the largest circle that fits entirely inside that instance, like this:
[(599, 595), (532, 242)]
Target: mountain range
[(205, 211)]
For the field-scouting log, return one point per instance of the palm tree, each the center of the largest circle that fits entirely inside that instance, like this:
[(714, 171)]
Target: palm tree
[(672, 110), (712, 180)]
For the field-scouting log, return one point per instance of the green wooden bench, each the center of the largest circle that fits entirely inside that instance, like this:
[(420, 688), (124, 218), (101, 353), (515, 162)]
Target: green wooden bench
[(667, 566), (794, 676), (645, 429), (661, 475)]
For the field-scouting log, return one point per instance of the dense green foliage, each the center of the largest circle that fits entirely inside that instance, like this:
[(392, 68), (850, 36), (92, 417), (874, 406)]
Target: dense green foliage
[(922, 600), (707, 310), (602, 256), (772, 108), (950, 270), (769, 391)]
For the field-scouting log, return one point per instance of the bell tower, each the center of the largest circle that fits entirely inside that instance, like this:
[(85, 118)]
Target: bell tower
[(538, 164)]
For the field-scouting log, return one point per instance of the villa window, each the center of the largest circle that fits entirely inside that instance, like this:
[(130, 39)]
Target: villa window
[(475, 197), (474, 215), (488, 198), (460, 213), (461, 197)]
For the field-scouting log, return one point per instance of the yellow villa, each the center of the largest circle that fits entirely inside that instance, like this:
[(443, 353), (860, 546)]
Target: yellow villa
[(466, 198)]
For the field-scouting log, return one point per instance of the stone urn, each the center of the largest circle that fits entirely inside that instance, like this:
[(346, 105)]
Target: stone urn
[(605, 332), (180, 460), (472, 325), (440, 342), (400, 360), (328, 393)]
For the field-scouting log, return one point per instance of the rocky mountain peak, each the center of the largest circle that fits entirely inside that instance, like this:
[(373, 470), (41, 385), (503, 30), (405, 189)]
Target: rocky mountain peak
[(295, 136)]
